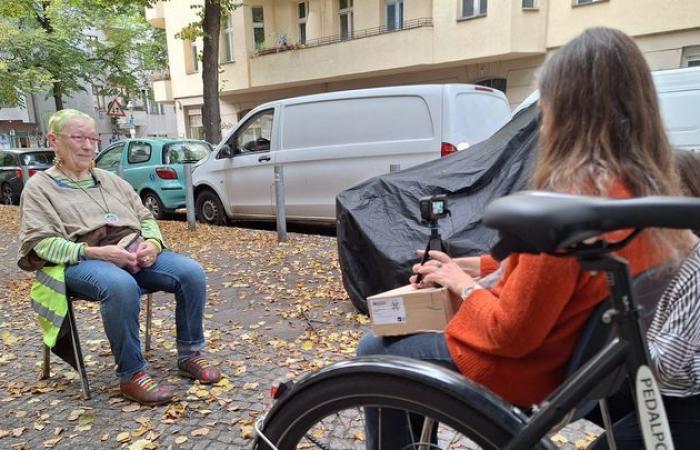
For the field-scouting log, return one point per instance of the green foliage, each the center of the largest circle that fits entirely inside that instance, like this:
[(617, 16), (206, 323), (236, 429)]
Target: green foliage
[(46, 44), (195, 30)]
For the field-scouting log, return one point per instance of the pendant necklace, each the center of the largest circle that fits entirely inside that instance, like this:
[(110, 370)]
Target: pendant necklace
[(109, 216)]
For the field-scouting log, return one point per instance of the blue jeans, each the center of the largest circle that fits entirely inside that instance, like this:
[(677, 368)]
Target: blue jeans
[(396, 432), (683, 417), (119, 294)]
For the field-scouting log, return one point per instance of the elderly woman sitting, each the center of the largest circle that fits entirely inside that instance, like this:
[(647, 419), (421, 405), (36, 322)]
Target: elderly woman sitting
[(85, 231)]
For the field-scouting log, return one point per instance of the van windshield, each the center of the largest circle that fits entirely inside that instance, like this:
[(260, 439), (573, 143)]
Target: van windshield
[(178, 152)]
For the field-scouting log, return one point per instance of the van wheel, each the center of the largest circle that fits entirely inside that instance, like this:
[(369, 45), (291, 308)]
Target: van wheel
[(209, 209), (153, 203)]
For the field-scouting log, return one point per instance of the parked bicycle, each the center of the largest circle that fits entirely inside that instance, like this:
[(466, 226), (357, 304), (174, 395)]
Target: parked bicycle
[(325, 409)]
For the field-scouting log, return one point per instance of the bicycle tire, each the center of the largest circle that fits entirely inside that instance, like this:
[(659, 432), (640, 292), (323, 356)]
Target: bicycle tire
[(291, 424)]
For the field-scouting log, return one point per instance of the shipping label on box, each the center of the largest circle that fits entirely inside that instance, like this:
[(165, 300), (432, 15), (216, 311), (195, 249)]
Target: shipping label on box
[(406, 310)]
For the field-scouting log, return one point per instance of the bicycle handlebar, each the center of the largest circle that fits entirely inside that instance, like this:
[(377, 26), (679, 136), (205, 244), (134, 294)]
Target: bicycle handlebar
[(544, 222)]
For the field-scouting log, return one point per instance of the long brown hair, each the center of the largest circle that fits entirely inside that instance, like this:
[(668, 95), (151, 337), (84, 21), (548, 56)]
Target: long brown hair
[(601, 122), (687, 163)]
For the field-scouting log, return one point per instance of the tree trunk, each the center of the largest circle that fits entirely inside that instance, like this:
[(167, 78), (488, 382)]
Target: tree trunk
[(211, 114), (57, 95)]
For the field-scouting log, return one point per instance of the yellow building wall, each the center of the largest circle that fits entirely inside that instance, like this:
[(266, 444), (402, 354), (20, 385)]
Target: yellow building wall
[(634, 17)]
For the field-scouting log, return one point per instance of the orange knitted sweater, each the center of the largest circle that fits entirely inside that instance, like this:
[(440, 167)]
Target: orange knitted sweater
[(517, 337)]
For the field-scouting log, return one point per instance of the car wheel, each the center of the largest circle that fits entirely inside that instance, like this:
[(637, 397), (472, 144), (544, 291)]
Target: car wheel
[(8, 195), (153, 203), (209, 208)]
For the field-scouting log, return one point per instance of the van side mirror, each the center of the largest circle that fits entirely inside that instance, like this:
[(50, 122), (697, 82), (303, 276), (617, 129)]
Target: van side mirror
[(225, 152)]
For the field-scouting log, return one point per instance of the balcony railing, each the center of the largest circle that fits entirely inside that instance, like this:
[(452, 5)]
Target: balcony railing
[(160, 75), (353, 35)]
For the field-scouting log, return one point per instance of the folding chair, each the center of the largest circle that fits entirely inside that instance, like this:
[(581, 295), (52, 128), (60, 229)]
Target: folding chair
[(77, 351)]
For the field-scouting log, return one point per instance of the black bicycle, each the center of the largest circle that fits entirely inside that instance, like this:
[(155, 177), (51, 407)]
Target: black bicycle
[(325, 409)]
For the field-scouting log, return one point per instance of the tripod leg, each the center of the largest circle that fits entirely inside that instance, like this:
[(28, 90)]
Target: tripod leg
[(424, 260)]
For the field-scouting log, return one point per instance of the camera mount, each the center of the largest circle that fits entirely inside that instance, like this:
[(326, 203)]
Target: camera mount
[(432, 209)]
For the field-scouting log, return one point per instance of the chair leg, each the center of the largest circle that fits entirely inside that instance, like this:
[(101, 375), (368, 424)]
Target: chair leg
[(84, 383), (45, 369), (149, 315), (607, 421)]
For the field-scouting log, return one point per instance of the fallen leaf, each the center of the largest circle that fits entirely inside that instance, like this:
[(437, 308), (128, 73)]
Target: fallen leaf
[(131, 407), (51, 443), (75, 414), (200, 432), (142, 444), (181, 439), (123, 437), (246, 431)]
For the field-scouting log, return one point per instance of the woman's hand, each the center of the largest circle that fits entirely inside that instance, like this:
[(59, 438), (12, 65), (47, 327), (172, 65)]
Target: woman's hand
[(113, 253), (470, 264), (442, 270), (146, 254)]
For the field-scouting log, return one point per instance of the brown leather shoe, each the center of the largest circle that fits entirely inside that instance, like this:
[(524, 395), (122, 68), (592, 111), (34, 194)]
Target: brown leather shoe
[(197, 367), (145, 390)]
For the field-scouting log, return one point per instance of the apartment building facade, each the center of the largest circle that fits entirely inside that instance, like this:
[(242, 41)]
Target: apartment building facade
[(273, 49)]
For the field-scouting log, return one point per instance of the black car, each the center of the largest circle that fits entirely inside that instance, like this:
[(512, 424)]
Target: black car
[(12, 163)]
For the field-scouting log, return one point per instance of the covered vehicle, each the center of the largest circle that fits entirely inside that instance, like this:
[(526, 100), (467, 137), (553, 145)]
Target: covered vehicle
[(379, 226)]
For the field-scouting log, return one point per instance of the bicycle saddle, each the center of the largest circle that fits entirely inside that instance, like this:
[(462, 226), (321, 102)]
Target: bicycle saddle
[(545, 222)]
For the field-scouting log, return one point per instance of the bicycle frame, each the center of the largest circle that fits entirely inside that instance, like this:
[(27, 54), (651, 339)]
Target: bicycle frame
[(628, 349)]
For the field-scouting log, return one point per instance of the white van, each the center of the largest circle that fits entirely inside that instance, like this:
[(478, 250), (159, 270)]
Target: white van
[(679, 100), (329, 142)]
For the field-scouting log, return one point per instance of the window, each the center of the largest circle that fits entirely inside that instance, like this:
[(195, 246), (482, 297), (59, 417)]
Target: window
[(691, 56), (495, 83), (345, 12), (227, 38), (195, 57), (473, 8), (144, 100), (303, 12), (139, 152), (586, 2), (529, 4), (110, 158), (191, 56), (258, 27), (255, 134), (185, 151), (394, 15)]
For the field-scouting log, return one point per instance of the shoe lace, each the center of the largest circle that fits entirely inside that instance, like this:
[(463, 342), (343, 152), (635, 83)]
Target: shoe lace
[(200, 361), (146, 382)]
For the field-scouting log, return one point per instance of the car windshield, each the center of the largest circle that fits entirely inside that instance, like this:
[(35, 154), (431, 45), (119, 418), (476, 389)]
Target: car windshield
[(178, 152), (37, 158)]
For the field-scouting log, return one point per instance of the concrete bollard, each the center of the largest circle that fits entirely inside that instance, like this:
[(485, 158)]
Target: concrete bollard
[(280, 204), (25, 175), (189, 196)]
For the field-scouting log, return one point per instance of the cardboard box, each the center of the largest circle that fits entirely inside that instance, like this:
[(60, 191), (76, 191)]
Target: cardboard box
[(406, 310)]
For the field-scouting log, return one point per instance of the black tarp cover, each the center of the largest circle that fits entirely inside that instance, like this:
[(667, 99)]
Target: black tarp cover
[(379, 227)]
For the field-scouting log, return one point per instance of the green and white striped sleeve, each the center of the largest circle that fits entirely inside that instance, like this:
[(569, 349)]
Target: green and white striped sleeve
[(59, 250), (151, 232)]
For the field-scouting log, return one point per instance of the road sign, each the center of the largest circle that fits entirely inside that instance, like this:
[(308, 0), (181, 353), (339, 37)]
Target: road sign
[(114, 108)]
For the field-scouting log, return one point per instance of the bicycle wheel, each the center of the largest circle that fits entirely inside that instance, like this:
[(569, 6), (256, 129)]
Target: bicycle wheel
[(331, 416)]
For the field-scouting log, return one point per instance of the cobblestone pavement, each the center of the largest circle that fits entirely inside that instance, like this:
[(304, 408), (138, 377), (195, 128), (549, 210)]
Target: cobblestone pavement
[(274, 311)]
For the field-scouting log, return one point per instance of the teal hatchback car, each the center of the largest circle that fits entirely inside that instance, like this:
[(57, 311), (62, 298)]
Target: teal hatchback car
[(153, 166)]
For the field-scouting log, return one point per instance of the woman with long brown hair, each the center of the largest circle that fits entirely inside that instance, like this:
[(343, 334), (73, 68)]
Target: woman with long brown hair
[(601, 134)]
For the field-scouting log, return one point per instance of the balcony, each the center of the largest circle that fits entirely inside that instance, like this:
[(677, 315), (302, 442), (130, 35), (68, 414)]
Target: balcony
[(371, 50), (162, 87), (155, 15)]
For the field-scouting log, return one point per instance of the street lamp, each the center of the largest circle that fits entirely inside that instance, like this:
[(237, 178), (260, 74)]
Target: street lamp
[(132, 124)]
